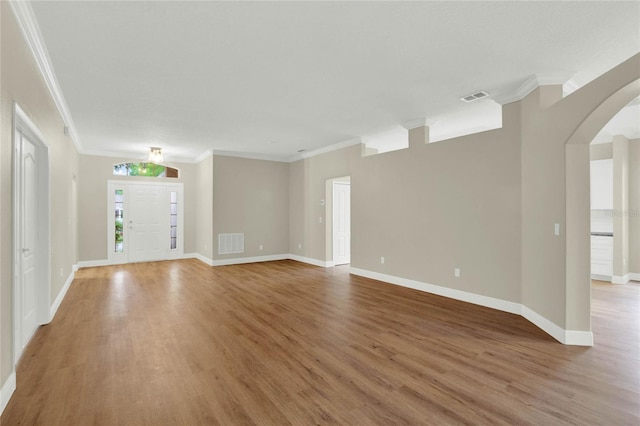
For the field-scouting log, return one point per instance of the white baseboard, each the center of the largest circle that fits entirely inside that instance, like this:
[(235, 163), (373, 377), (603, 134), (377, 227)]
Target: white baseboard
[(578, 338), (616, 279), (92, 263), (567, 337), (8, 388), (311, 261), (549, 327), (490, 302), (254, 259), (634, 276), (223, 262), (599, 277), (62, 294), (200, 257)]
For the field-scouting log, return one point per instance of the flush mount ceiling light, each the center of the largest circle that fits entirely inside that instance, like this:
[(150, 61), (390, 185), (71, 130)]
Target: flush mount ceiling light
[(155, 155), (470, 98)]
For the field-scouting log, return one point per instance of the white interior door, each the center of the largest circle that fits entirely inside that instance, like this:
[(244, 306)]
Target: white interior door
[(341, 223), (28, 236), (148, 222)]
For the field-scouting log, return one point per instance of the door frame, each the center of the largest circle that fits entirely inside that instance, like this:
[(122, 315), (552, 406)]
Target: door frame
[(335, 184), (328, 203), (121, 258), (23, 124)]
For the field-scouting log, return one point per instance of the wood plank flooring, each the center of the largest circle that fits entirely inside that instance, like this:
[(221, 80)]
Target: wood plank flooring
[(284, 343)]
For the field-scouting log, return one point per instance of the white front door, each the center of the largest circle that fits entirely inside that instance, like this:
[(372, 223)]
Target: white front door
[(148, 222), (28, 236), (144, 221), (341, 223)]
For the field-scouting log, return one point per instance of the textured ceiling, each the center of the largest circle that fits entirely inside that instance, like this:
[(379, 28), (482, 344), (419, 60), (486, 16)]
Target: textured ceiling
[(273, 78)]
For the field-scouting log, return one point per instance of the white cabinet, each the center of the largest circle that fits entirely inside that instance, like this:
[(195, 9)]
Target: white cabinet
[(602, 257), (602, 184)]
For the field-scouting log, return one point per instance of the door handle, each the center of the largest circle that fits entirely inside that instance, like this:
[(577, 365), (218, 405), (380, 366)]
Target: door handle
[(26, 250)]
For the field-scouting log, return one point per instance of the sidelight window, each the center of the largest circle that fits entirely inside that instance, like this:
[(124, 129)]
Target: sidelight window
[(119, 219), (173, 219)]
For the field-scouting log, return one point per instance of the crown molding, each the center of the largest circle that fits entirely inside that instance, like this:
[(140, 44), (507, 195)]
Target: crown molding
[(132, 156), (326, 149), (420, 122), (208, 153), (249, 156), (570, 86), (531, 84), (33, 37)]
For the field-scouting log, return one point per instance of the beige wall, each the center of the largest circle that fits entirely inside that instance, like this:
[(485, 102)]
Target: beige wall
[(95, 171), (251, 197), (308, 187), (298, 181), (432, 208), (21, 82), (543, 200), (204, 208)]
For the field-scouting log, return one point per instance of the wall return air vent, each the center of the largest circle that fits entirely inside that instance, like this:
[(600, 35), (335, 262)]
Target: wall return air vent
[(230, 243), (470, 98)]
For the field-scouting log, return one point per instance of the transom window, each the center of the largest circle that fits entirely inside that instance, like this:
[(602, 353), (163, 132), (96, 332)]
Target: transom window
[(144, 169)]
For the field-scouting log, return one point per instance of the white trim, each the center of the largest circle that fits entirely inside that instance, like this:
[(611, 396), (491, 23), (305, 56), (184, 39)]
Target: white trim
[(8, 388), (254, 259), (250, 156), (531, 84), (420, 122), (200, 257), (578, 338), (326, 149), (31, 32), (477, 299), (62, 294), (567, 337), (311, 261), (208, 153), (94, 263), (615, 279), (569, 87), (136, 156), (544, 324), (21, 123), (634, 276), (599, 277)]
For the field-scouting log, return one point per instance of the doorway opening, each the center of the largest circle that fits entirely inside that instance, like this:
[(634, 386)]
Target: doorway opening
[(31, 231)]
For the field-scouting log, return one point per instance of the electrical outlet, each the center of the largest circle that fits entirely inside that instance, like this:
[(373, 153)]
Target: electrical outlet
[(206, 247), (260, 247), (381, 259), (299, 246), (320, 219), (456, 272)]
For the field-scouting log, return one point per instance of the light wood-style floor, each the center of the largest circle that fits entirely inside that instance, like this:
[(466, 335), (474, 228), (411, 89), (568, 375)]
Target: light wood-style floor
[(181, 343)]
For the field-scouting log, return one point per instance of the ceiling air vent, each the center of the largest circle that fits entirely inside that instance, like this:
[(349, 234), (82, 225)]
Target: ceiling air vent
[(470, 98)]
